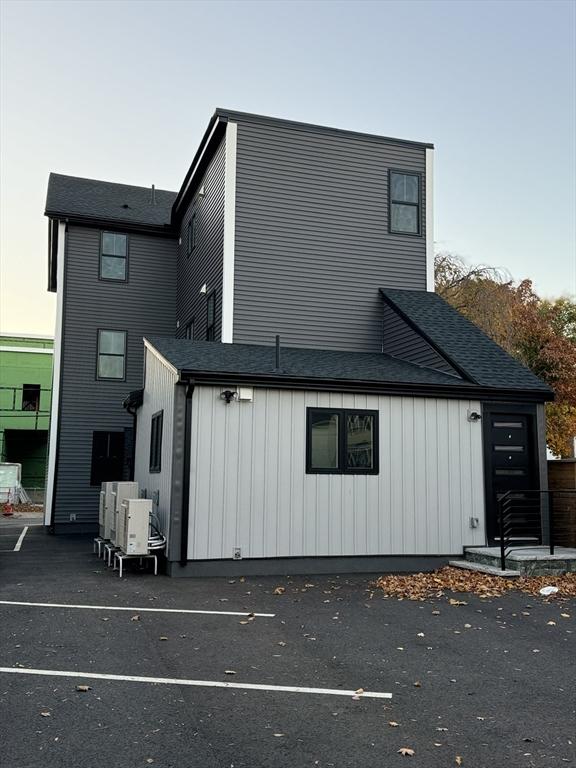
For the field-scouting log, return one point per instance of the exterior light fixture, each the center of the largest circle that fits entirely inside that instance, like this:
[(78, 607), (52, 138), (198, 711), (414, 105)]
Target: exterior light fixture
[(474, 416)]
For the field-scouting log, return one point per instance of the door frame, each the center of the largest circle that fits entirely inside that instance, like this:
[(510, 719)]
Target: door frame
[(488, 409)]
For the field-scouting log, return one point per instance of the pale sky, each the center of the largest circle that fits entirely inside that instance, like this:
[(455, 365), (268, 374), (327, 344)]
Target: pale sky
[(122, 90)]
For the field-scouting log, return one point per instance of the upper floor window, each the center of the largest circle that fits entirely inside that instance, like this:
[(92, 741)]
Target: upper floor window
[(156, 442), (191, 236), (31, 397), (114, 257), (210, 316), (404, 190), (111, 354), (342, 441)]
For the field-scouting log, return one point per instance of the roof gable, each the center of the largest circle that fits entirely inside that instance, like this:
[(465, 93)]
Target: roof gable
[(461, 342)]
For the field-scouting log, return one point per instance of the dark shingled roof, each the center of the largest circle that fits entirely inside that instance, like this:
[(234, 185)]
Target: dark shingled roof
[(461, 342), (259, 360), (74, 197)]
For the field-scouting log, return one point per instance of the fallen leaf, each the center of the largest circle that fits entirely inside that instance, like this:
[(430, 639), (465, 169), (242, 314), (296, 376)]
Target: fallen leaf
[(406, 752), (459, 760), (45, 714), (420, 634), (551, 623), (279, 590), (83, 688), (393, 724), (441, 729), (435, 613), (457, 602), (135, 618), (243, 622), (359, 691), (417, 684), (229, 672), (565, 615), (279, 734), (163, 638)]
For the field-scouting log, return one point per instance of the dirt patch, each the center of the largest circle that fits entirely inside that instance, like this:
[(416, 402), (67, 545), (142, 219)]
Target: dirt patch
[(420, 586)]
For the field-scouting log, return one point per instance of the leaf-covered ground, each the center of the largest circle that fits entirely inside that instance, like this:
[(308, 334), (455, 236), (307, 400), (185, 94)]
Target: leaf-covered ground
[(420, 586)]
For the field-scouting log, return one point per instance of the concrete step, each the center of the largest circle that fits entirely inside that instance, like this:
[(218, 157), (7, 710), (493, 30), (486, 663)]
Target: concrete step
[(491, 570)]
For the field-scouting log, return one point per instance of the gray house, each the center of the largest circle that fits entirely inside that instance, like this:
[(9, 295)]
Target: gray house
[(383, 424)]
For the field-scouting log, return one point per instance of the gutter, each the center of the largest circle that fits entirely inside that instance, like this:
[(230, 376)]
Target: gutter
[(185, 515), (358, 386)]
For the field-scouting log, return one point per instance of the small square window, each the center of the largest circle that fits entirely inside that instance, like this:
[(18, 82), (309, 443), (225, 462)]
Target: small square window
[(156, 442), (31, 397), (114, 257), (342, 441), (404, 193), (111, 354)]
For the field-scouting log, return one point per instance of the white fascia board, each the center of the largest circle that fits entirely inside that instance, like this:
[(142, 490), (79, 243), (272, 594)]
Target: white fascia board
[(56, 368), (153, 351), (36, 350), (430, 220), (227, 333), (7, 334)]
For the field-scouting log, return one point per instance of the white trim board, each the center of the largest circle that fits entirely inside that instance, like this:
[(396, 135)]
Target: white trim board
[(139, 610), (153, 351), (197, 683), (57, 363), (227, 332), (430, 220), (36, 350)]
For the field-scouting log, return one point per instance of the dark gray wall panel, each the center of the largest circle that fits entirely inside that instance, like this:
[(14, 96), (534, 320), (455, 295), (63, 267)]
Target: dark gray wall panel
[(312, 240), (143, 306), (204, 265), (400, 340)]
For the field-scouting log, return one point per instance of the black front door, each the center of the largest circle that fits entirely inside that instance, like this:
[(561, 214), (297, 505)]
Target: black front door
[(510, 463)]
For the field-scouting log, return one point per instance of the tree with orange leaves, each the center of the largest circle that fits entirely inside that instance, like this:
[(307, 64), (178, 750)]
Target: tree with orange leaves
[(540, 333)]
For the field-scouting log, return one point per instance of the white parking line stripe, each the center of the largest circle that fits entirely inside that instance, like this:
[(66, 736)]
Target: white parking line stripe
[(198, 683), (21, 539), (150, 610)]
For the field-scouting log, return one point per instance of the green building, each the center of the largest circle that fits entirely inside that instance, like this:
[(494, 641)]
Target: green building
[(25, 398)]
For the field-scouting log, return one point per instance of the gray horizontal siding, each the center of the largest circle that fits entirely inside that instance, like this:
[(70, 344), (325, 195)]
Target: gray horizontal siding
[(142, 306), (204, 265), (400, 340), (249, 488), (312, 240)]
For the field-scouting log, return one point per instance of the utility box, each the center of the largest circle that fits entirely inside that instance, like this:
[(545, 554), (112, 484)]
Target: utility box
[(107, 496), (123, 490), (136, 520)]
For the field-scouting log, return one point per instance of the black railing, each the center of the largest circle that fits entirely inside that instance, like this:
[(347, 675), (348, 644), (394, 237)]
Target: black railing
[(526, 517)]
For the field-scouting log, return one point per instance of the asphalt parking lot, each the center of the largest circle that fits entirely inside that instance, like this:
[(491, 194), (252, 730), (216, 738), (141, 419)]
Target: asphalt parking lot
[(487, 683)]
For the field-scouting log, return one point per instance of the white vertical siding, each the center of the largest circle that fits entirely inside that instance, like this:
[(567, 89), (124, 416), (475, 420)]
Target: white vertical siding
[(158, 396), (249, 486)]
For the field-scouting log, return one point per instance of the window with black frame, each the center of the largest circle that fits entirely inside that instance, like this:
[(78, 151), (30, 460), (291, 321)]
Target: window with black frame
[(114, 257), (404, 193), (107, 457), (342, 441), (111, 354), (156, 442), (210, 316)]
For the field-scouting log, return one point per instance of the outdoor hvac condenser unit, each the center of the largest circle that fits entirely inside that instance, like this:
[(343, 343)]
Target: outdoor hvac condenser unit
[(124, 490), (136, 518), (108, 489)]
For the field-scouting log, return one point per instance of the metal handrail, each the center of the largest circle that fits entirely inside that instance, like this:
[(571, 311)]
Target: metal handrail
[(529, 503)]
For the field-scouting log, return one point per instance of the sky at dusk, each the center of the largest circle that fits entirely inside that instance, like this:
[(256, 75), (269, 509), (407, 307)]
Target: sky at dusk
[(123, 90)]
